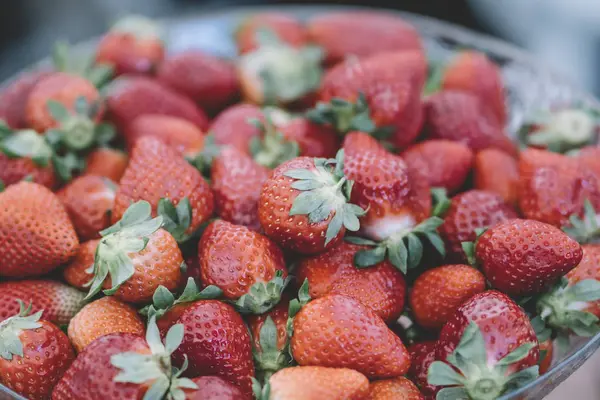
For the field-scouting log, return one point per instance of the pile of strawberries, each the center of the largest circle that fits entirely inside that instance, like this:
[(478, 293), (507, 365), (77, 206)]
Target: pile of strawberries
[(361, 226)]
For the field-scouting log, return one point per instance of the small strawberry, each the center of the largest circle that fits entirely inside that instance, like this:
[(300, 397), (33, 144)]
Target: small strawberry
[(106, 162), (13, 98), (496, 171), (338, 331), (287, 28), (492, 345), (474, 72), (208, 80), (313, 140), (232, 127), (304, 205), (381, 287), (422, 354), (133, 45), (438, 292), (213, 388), (444, 162), (37, 235), (15, 169), (78, 272), (89, 201), (103, 317), (397, 388), (470, 211), (343, 34), (59, 301), (34, 354)]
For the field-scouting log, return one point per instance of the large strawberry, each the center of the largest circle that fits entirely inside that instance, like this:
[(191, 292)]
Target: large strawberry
[(492, 345), (78, 273), (213, 388), (304, 205), (106, 162), (232, 126), (422, 354), (381, 287), (159, 175), (286, 27), (37, 235), (13, 98), (34, 354), (496, 171), (338, 331), (397, 388)]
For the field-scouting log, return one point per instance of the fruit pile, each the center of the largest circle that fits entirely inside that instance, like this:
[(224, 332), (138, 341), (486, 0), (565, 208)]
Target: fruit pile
[(361, 226)]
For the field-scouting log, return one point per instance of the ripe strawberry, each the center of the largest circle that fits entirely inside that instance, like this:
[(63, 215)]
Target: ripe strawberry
[(338, 331), (236, 182), (380, 288), (308, 383), (304, 205), (470, 211), (108, 163), (231, 126), (59, 301), (397, 388), (34, 354), (77, 273), (287, 28), (208, 80), (37, 235), (89, 200), (422, 355), (444, 162), (490, 334), (157, 172), (133, 45), (343, 34), (129, 97), (438, 292), (473, 72), (13, 170), (496, 171), (313, 140), (103, 317), (213, 388), (13, 98), (589, 156)]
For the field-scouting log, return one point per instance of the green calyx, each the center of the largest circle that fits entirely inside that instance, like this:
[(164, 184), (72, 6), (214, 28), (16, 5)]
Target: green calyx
[(261, 392), (584, 230), (204, 159), (403, 249), (11, 328), (441, 202), (476, 379), (273, 148), (80, 64), (26, 144), (469, 247), (263, 296), (325, 190), (176, 219), (434, 78), (269, 358), (295, 307), (129, 235)]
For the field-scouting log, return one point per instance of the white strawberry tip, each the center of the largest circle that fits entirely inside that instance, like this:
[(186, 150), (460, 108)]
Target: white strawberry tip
[(263, 296), (11, 328), (468, 374), (565, 130)]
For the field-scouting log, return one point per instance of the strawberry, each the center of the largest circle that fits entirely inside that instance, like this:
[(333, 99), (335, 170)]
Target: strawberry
[(287, 28), (489, 334), (351, 33), (473, 72), (379, 95), (106, 162), (380, 288), (77, 273), (138, 255), (13, 170), (232, 127), (236, 182), (156, 172), (208, 80), (178, 133), (496, 171), (438, 292), (34, 354), (89, 201), (397, 388), (255, 275), (444, 162), (313, 382), (131, 96), (422, 354), (470, 211), (304, 205), (59, 301), (103, 317), (13, 98), (589, 156), (273, 148), (338, 331), (37, 235), (213, 388), (133, 45)]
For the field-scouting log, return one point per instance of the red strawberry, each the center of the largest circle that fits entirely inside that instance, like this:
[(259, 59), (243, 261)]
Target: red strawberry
[(438, 292), (381, 287), (496, 171), (13, 170), (473, 72), (129, 97), (133, 45), (13, 98), (444, 162), (89, 201), (108, 163), (58, 301), (338, 331), (213, 388), (524, 257), (343, 34), (35, 231), (77, 273), (422, 355), (231, 126), (313, 140), (236, 182), (208, 80), (492, 335), (589, 156), (287, 28), (469, 211), (397, 388), (34, 354)]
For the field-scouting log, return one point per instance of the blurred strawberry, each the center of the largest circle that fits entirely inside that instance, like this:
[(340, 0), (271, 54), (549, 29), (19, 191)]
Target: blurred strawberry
[(78, 272), (496, 171), (286, 27), (13, 98), (16, 169), (106, 162), (232, 126)]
